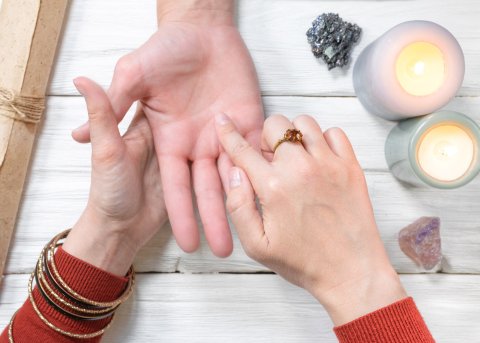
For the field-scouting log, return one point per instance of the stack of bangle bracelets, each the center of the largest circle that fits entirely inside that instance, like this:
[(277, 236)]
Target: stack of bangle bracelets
[(74, 306)]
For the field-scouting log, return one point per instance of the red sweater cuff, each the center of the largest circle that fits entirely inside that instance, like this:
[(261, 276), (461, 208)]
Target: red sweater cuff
[(85, 279), (398, 322), (88, 281)]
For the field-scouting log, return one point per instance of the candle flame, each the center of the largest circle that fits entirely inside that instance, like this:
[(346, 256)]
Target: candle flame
[(419, 67)]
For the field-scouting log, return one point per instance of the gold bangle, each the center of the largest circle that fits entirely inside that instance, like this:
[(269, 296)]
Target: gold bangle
[(57, 297), (53, 327), (10, 327), (66, 288), (43, 284), (58, 308)]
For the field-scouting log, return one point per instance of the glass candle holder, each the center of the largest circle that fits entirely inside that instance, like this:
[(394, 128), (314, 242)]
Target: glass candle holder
[(414, 69), (439, 149)]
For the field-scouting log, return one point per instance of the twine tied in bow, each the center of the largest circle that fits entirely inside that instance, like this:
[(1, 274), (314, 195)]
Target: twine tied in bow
[(27, 109), (23, 108)]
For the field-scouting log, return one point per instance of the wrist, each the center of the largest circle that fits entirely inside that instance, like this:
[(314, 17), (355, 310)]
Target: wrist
[(93, 241), (200, 11), (361, 296)]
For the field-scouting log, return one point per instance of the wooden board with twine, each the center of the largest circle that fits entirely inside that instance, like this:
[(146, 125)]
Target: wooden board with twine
[(29, 31)]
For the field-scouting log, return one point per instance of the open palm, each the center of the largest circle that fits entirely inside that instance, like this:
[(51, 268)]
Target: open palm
[(183, 75)]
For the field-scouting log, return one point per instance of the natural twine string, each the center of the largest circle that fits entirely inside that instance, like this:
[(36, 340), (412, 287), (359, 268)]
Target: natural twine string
[(23, 108)]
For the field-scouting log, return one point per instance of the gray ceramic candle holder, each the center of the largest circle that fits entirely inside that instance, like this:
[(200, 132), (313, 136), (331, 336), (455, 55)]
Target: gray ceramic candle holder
[(402, 143)]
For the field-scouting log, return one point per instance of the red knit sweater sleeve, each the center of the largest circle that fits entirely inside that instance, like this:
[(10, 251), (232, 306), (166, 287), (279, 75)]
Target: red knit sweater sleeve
[(398, 322), (85, 279)]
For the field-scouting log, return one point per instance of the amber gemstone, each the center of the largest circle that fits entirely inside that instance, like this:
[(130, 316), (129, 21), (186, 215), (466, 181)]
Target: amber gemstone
[(289, 134)]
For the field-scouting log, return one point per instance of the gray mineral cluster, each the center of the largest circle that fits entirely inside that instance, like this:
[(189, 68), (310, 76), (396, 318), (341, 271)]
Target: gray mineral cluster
[(332, 39)]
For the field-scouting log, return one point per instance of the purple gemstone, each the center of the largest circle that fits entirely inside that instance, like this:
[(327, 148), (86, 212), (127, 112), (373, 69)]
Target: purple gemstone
[(421, 242)]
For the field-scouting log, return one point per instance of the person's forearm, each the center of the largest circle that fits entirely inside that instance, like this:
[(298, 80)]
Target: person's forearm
[(360, 296), (89, 241), (209, 11)]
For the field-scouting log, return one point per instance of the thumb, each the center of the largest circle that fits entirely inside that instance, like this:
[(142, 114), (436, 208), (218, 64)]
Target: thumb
[(244, 213), (123, 92), (101, 118)]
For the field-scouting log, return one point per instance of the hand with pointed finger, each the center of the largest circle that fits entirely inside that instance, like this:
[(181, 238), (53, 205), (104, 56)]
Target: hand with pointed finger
[(126, 206), (195, 65), (318, 230)]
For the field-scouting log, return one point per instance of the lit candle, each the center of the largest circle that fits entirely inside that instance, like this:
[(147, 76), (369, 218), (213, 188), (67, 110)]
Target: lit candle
[(415, 68), (440, 149), (446, 153)]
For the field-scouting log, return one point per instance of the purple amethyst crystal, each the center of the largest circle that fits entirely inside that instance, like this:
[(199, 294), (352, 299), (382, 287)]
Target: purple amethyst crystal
[(421, 242), (332, 39)]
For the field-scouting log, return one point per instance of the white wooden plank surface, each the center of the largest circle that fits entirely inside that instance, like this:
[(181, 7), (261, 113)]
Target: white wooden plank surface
[(260, 308), (97, 35), (253, 308), (58, 183)]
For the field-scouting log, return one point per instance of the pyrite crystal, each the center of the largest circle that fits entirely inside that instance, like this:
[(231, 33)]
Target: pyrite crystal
[(332, 39), (421, 241)]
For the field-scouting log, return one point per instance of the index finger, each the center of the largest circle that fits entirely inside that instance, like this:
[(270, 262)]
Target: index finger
[(239, 150)]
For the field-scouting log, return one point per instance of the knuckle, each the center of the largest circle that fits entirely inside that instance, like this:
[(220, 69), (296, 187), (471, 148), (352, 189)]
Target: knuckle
[(275, 118), (106, 155), (335, 172), (356, 174), (307, 178), (274, 121), (306, 171), (277, 188), (228, 130), (98, 111), (274, 184), (124, 64), (335, 133), (126, 68), (235, 202), (240, 148), (341, 174), (301, 119), (335, 129), (304, 116), (93, 113)]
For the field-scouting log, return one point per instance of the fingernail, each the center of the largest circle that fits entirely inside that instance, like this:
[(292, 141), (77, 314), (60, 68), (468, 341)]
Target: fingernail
[(79, 88), (222, 118), (234, 176), (78, 128)]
